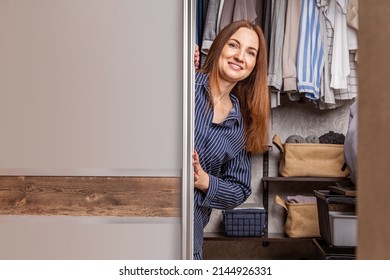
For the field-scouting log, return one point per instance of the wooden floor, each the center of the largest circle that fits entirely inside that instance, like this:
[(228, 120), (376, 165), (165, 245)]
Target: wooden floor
[(90, 196)]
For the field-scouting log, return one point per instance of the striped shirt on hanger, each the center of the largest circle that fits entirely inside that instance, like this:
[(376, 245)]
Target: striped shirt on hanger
[(221, 149), (310, 57)]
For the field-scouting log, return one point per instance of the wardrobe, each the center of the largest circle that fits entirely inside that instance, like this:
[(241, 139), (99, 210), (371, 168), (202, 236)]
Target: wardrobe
[(299, 107), (74, 215), (373, 135)]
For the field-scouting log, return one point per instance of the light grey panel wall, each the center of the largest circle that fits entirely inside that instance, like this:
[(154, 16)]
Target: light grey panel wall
[(94, 238), (92, 85)]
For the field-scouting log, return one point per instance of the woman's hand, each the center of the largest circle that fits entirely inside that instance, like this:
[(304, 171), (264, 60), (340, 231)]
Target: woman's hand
[(196, 57), (201, 178)]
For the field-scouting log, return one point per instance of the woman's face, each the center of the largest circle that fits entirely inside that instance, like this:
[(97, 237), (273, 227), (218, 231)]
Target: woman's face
[(238, 56)]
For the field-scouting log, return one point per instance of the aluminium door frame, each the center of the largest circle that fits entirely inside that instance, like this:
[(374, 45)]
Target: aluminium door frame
[(187, 218)]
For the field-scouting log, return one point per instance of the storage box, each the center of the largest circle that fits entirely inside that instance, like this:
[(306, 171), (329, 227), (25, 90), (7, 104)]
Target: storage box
[(329, 217), (302, 218), (343, 228), (311, 160), (246, 220)]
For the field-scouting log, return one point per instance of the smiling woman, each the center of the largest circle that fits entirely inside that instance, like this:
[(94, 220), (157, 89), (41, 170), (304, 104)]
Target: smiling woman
[(231, 121)]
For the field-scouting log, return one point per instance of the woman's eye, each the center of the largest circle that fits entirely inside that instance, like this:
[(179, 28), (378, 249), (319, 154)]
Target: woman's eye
[(233, 45), (251, 53)]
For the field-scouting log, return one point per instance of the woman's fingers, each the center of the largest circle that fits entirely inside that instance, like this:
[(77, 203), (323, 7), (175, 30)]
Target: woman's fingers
[(196, 156), (196, 57), (197, 168)]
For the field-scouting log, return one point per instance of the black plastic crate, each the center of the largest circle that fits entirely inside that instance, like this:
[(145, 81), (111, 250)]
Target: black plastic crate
[(328, 252), (244, 222), (330, 201)]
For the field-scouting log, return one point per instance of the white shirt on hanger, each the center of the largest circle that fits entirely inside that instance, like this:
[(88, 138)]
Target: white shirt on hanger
[(340, 60)]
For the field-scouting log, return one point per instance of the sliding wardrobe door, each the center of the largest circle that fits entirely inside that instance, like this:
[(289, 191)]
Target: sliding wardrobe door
[(92, 157)]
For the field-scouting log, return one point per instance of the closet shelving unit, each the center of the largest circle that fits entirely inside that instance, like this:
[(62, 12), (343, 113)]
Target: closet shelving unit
[(266, 184)]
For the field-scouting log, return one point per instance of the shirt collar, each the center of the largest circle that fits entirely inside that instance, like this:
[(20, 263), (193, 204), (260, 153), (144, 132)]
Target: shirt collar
[(201, 79)]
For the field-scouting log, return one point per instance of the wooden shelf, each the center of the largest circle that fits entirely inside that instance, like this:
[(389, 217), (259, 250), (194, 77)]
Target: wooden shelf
[(266, 183), (306, 179), (280, 237)]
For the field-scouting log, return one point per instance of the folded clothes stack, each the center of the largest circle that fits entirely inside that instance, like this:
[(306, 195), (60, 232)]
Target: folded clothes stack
[(301, 199), (328, 138)]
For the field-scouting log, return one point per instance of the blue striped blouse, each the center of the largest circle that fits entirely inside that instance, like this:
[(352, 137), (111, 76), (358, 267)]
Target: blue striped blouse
[(222, 154)]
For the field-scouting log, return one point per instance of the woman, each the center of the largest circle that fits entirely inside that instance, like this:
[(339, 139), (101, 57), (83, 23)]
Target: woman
[(231, 121)]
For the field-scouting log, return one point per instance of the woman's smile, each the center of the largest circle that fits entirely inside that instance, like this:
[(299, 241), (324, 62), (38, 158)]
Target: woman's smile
[(235, 66)]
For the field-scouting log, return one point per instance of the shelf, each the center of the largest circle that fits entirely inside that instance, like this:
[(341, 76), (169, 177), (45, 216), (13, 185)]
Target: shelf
[(306, 179), (335, 253), (266, 182), (280, 237)]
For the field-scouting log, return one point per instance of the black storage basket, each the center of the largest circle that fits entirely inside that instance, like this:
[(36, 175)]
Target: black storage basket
[(328, 201), (244, 222)]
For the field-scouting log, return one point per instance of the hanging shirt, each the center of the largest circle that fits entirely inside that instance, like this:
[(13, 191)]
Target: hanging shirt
[(235, 10), (210, 27), (310, 58), (222, 154), (290, 45), (339, 95), (340, 65), (275, 76)]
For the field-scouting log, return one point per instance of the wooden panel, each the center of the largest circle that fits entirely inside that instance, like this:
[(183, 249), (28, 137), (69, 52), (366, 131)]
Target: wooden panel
[(90, 196)]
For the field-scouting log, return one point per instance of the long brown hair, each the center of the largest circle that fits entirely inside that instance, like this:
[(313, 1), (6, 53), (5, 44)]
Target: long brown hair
[(252, 91)]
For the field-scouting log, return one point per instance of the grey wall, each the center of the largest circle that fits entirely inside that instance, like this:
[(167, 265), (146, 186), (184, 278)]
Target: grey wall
[(91, 87), (89, 238)]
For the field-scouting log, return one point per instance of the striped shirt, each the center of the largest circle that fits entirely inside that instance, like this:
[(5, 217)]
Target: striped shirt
[(310, 57), (222, 154)]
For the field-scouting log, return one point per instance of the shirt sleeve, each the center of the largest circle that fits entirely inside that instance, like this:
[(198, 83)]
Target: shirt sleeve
[(232, 188)]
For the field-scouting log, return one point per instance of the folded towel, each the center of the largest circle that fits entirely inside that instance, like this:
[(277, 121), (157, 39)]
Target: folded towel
[(295, 139), (301, 199), (312, 139)]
